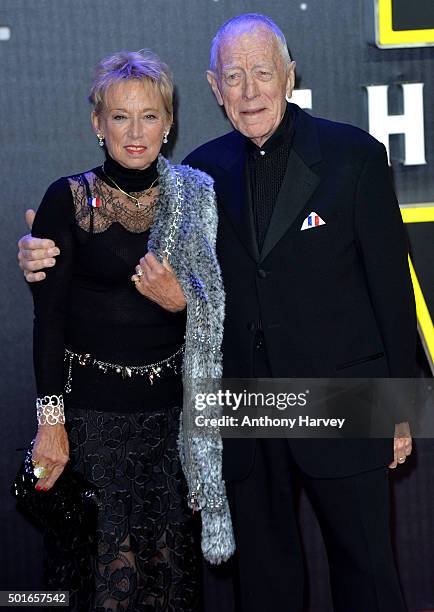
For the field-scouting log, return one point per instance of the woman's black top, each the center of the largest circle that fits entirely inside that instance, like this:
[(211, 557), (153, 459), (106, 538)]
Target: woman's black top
[(88, 304)]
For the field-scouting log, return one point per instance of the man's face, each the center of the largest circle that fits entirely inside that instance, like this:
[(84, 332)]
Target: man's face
[(252, 82)]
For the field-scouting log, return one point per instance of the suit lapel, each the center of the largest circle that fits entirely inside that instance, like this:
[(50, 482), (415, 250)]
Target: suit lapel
[(298, 185), (299, 182), (234, 194)]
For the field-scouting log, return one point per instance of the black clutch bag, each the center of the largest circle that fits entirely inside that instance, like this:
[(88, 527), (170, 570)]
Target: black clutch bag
[(66, 514)]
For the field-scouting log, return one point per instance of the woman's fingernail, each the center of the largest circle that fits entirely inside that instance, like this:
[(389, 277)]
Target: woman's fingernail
[(45, 489), (38, 488)]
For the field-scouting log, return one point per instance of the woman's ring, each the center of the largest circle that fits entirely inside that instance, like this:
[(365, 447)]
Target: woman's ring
[(39, 471), (139, 271), (401, 459)]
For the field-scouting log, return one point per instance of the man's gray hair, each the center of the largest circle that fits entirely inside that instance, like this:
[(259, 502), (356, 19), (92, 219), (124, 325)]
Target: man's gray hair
[(248, 22)]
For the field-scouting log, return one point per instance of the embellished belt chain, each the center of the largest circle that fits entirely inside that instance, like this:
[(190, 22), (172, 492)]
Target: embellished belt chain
[(150, 370)]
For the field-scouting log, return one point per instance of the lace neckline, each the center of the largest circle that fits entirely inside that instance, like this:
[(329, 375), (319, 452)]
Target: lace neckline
[(114, 207)]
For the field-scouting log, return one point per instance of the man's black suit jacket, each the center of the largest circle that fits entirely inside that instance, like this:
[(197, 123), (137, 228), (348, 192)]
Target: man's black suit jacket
[(334, 301)]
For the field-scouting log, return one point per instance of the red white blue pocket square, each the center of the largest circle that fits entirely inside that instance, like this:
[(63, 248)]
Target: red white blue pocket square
[(312, 220)]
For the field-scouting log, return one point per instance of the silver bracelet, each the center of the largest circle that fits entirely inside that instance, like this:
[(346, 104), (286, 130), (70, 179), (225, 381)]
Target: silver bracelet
[(50, 410)]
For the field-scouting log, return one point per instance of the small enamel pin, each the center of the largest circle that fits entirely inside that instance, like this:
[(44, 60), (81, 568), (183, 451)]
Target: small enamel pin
[(94, 202)]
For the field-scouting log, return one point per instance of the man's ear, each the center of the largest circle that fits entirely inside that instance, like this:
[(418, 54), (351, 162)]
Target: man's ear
[(290, 80), (212, 80)]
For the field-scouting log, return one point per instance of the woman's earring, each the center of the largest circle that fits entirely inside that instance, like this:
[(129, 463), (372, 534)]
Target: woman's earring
[(100, 139), (165, 137)]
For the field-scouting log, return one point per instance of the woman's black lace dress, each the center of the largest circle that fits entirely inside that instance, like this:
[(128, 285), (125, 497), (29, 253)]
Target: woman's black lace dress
[(122, 430)]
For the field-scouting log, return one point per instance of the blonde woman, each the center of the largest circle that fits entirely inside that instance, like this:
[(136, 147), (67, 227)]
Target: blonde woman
[(108, 359)]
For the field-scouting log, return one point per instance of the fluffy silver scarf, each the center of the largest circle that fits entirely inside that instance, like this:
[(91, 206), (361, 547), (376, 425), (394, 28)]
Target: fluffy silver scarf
[(184, 230)]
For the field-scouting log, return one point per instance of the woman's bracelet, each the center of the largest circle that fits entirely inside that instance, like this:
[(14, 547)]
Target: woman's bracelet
[(50, 410)]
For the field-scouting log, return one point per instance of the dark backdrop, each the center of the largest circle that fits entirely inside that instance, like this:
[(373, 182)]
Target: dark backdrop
[(45, 69)]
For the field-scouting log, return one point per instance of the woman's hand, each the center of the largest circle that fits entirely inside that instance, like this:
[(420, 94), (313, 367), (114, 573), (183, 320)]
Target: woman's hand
[(51, 451), (158, 283)]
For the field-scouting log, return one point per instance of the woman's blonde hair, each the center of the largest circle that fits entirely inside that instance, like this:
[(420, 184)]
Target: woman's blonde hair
[(140, 65)]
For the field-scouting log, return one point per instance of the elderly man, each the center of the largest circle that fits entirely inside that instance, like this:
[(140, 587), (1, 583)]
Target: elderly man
[(314, 262)]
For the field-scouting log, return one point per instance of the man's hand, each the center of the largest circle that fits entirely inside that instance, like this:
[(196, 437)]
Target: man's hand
[(35, 253), (401, 444), (158, 283)]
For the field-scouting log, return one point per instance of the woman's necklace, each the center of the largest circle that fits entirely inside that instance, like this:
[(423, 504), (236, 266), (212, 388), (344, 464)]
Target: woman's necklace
[(144, 194)]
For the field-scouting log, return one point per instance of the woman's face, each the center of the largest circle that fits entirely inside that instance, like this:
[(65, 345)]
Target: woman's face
[(133, 123)]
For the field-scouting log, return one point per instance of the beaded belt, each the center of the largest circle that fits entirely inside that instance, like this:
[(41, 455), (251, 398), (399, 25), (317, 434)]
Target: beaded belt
[(150, 370)]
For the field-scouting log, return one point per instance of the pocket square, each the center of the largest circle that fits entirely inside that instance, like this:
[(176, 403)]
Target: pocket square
[(312, 220)]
